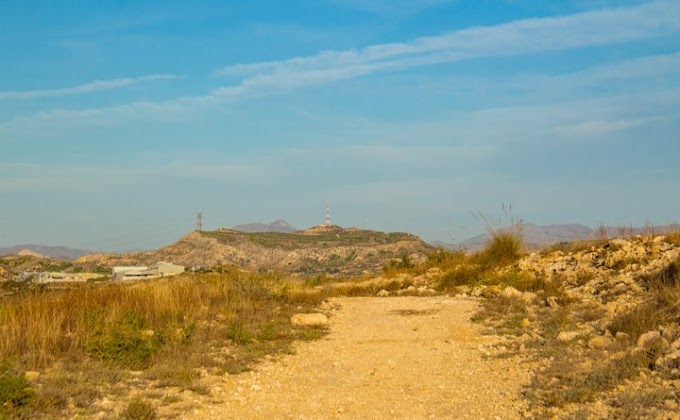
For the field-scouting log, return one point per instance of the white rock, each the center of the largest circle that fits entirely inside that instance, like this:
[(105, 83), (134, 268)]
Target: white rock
[(647, 337), (659, 239), (565, 336), (529, 297), (511, 293), (669, 360), (309, 319)]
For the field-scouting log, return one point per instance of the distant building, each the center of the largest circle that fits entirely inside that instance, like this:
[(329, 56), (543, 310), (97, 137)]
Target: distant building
[(161, 269), (27, 276), (51, 277)]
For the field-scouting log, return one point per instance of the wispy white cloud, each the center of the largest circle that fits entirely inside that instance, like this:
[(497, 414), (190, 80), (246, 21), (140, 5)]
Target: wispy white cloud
[(595, 28), (69, 177), (588, 129), (86, 88), (514, 38)]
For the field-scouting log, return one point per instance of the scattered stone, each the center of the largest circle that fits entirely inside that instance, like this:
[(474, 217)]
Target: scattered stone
[(566, 336), (646, 338), (511, 293), (552, 302), (309, 319), (600, 342), (529, 297), (383, 293), (31, 375), (669, 361), (658, 239)]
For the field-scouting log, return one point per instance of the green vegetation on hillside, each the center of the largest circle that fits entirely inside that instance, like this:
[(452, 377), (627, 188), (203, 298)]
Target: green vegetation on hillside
[(329, 236)]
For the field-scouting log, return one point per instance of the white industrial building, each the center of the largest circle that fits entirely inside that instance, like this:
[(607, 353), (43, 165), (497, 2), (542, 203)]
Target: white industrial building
[(52, 277), (161, 269)]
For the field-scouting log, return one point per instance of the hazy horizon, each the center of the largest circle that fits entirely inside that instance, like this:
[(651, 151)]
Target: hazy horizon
[(120, 120)]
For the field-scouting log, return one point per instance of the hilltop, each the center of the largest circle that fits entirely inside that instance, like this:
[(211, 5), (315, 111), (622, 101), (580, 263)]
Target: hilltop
[(275, 226), (323, 249), (44, 251)]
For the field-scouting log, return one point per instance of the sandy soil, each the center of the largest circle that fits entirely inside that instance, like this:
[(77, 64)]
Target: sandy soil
[(397, 357)]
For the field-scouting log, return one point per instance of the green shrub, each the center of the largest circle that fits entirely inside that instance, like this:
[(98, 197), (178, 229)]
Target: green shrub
[(138, 409), (319, 280), (15, 390), (444, 259), (466, 274), (239, 333), (503, 249), (127, 343), (267, 332)]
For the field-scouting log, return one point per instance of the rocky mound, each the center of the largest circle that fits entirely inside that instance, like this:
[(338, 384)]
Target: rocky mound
[(599, 324), (318, 250)]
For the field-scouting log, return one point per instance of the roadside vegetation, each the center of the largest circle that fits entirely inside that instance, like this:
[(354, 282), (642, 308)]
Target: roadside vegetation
[(63, 351)]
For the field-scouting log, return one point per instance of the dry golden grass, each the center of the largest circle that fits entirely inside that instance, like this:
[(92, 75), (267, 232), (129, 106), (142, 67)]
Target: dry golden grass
[(168, 327)]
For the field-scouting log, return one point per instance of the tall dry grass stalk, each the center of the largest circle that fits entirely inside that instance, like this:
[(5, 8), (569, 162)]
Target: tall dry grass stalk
[(40, 326)]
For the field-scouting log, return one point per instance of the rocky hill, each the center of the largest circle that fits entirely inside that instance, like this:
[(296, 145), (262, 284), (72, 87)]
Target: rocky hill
[(44, 251), (12, 265), (320, 249)]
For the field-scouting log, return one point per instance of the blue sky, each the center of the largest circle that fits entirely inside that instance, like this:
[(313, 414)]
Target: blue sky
[(119, 120)]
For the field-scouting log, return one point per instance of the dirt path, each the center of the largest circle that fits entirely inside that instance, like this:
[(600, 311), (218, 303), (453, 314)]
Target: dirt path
[(401, 357)]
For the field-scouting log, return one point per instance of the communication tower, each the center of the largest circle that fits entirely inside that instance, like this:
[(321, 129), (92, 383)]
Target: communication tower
[(199, 221), (328, 216)]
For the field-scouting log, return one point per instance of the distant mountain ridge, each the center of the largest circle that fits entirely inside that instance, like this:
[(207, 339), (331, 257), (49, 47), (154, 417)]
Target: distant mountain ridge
[(43, 251), (538, 236), (275, 226)]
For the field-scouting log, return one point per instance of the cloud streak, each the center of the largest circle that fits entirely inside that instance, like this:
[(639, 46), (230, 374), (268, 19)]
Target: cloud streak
[(581, 30), (86, 88)]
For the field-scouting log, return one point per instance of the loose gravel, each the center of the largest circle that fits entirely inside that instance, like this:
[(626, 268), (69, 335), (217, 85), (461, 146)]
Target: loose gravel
[(396, 357)]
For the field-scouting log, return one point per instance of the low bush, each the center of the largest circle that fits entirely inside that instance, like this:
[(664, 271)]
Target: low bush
[(127, 343), (139, 409), (503, 249), (15, 390), (464, 274)]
